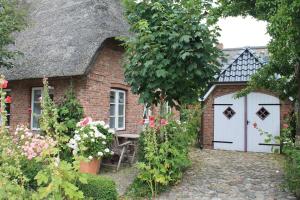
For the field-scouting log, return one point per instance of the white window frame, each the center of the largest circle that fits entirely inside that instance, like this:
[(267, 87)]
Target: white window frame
[(116, 113), (32, 104)]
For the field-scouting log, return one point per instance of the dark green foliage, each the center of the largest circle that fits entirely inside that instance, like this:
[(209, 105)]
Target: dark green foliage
[(99, 188), (30, 169), (173, 55), (12, 19), (292, 169), (70, 112)]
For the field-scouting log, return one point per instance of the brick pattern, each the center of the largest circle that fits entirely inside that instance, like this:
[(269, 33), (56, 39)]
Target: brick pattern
[(92, 90), (207, 128)]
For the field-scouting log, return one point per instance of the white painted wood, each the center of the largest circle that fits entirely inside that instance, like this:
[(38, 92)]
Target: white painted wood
[(271, 124), (229, 130)]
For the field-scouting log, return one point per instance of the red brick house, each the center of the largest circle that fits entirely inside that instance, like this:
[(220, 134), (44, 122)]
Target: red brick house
[(73, 41), (227, 122)]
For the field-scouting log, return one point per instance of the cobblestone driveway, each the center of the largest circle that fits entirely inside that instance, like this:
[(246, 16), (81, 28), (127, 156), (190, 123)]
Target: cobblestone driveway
[(229, 175)]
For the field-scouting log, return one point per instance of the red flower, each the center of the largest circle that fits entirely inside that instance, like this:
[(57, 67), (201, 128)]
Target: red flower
[(8, 99), (163, 122), (151, 118), (285, 125), (4, 84), (255, 125)]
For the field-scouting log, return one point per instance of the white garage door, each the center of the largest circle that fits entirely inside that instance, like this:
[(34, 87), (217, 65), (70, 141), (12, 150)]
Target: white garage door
[(234, 119)]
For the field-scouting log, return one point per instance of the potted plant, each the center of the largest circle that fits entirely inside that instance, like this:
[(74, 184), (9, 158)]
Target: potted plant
[(91, 142)]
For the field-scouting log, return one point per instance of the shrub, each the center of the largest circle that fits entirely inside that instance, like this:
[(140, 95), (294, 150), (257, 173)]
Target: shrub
[(163, 156), (98, 187)]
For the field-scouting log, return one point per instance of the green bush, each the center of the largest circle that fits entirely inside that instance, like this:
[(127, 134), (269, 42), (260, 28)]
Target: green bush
[(163, 156), (30, 169), (99, 188), (292, 169)]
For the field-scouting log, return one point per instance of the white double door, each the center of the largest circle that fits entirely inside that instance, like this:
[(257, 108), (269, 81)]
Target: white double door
[(234, 120)]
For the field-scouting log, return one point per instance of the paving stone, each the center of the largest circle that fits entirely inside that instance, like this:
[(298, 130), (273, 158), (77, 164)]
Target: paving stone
[(229, 175)]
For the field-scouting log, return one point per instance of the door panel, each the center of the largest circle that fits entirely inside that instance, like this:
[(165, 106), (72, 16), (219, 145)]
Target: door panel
[(268, 119), (229, 125)]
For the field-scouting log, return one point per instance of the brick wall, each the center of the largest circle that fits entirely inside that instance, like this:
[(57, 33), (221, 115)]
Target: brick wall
[(92, 90), (207, 128)]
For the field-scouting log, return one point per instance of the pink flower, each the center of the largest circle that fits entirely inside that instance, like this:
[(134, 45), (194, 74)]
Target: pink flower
[(85, 121), (163, 122), (152, 124), (285, 125), (255, 125), (4, 83)]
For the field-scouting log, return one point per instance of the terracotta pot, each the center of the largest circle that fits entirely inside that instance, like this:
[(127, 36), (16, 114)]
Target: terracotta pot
[(91, 167)]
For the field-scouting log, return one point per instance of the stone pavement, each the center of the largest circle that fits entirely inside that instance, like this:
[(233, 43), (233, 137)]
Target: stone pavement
[(227, 175)]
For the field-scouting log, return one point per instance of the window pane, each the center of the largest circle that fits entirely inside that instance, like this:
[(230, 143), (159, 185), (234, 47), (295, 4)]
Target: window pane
[(121, 122), (37, 94), (37, 108), (112, 109), (112, 122), (121, 109), (121, 97), (35, 121), (112, 96)]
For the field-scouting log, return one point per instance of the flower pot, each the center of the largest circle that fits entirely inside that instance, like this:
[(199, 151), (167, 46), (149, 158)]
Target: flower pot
[(91, 167)]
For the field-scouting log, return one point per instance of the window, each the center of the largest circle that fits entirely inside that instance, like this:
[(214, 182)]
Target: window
[(229, 112), (147, 113), (7, 108), (262, 113), (36, 109), (117, 109)]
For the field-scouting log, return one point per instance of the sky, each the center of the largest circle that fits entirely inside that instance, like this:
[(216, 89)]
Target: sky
[(241, 32)]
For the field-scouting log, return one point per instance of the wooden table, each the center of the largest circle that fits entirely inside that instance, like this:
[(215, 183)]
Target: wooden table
[(134, 138)]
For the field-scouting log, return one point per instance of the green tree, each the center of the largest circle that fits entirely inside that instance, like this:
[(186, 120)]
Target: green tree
[(282, 74), (173, 54), (12, 19)]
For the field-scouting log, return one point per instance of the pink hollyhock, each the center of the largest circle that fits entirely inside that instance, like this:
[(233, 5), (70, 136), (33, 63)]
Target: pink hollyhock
[(285, 125), (152, 124), (8, 99), (163, 122), (4, 84), (85, 121)]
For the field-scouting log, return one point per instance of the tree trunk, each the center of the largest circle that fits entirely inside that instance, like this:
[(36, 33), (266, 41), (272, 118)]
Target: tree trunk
[(297, 137)]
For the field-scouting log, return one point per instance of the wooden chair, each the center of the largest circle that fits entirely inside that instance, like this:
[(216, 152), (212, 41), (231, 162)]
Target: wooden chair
[(120, 149)]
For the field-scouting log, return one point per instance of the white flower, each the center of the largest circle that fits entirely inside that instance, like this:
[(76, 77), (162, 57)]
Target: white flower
[(111, 131), (103, 136), (106, 150), (102, 123), (90, 157), (106, 126), (22, 137), (91, 133), (77, 137), (103, 142), (74, 152), (85, 136), (76, 131), (93, 140), (57, 161), (100, 153), (97, 134)]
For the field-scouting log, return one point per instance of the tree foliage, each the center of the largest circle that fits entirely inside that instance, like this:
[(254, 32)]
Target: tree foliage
[(173, 54), (281, 74), (12, 19)]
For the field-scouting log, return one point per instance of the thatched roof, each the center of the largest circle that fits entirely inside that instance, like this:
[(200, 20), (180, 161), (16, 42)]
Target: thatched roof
[(64, 35)]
